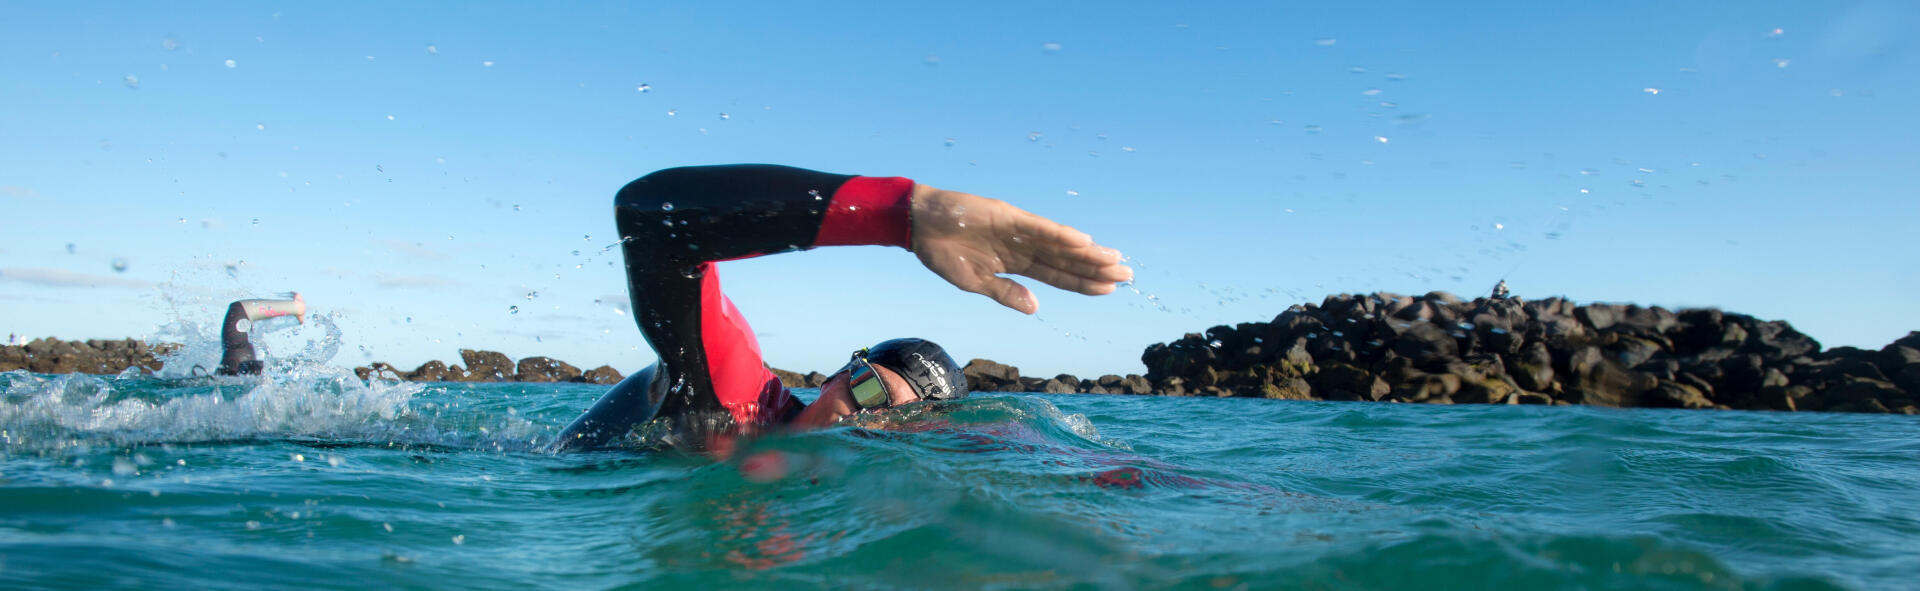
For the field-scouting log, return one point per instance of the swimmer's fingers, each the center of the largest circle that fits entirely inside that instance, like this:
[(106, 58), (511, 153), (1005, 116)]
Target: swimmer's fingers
[(1091, 261), (1010, 294), (975, 277), (1026, 225), (1096, 284)]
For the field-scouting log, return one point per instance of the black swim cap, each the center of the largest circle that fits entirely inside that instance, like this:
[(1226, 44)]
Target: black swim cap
[(926, 366)]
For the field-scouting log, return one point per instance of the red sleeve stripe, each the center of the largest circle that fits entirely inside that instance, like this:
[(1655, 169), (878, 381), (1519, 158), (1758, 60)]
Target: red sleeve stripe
[(869, 210)]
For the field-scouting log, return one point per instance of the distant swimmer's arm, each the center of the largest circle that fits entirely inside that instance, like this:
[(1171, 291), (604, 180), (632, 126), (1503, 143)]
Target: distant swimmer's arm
[(237, 355), (970, 240)]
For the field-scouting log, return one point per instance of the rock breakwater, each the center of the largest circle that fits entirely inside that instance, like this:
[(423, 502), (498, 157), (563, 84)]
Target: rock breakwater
[(1441, 349)]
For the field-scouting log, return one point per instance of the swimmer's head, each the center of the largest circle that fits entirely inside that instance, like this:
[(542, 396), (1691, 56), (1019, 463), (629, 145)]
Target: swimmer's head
[(924, 365), (891, 373)]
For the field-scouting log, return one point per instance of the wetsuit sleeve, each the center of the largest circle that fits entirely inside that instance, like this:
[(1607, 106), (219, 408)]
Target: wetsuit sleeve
[(237, 354), (675, 223)]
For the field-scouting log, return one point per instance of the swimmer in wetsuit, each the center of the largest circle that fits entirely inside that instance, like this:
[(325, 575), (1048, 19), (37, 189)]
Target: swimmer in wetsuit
[(238, 357), (710, 381)]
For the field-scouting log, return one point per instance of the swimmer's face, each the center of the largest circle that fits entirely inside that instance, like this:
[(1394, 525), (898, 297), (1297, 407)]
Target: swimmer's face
[(836, 398)]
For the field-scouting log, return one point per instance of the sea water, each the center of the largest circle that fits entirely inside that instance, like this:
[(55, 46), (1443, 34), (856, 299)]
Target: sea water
[(311, 478)]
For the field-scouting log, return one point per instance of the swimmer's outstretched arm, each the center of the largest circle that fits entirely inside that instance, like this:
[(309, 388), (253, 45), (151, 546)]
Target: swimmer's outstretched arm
[(674, 225), (237, 347)]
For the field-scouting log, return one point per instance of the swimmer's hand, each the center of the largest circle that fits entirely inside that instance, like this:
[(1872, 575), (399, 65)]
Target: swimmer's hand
[(970, 240)]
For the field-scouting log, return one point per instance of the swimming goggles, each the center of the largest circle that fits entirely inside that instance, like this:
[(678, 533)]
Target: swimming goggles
[(869, 391)]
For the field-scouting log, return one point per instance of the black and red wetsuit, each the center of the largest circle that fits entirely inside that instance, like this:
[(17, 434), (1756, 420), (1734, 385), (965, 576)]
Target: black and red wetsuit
[(674, 225)]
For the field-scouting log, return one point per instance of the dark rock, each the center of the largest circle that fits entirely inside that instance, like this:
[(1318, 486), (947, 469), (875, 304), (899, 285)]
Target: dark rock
[(1897, 356), (545, 369), (1675, 395), (1488, 389), (1426, 345), (1532, 369), (1060, 385), (1110, 381), (990, 376), (1596, 380), (787, 378), (1909, 380), (1532, 398), (1340, 381), (1136, 384), (1030, 385), (1631, 351), (436, 371), (1289, 389), (1654, 320), (606, 374), (487, 366), (1852, 390), (1183, 358), (1912, 340), (1739, 381), (1786, 398), (1598, 316), (379, 370), (1777, 341)]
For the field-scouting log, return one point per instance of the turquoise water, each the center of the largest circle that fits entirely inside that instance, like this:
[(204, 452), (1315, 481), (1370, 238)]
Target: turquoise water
[(313, 479)]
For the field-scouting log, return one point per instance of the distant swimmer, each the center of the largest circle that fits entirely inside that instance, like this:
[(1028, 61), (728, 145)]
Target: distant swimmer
[(239, 357), (710, 382), (1500, 290)]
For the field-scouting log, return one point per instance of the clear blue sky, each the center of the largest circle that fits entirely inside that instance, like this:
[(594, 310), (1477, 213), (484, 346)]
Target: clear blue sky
[(416, 169)]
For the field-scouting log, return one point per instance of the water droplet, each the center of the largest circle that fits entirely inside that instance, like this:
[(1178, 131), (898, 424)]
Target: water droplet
[(432, 49), (1396, 77), (1050, 47), (409, 320), (132, 81), (949, 142), (488, 63), (1325, 41), (70, 244), (1313, 129), (260, 126), (232, 64), (119, 264), (644, 87), (513, 309), (1073, 193), (1498, 226), (1381, 139), (1370, 92), (1650, 90), (724, 117), (672, 112), (532, 294), (389, 117), (1126, 148), (171, 44), (1780, 62), (666, 206), (256, 221), (1033, 136), (576, 253), (243, 325)]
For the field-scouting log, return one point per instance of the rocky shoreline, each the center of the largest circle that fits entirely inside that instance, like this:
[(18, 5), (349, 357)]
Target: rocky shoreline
[(1440, 349), (1435, 348)]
